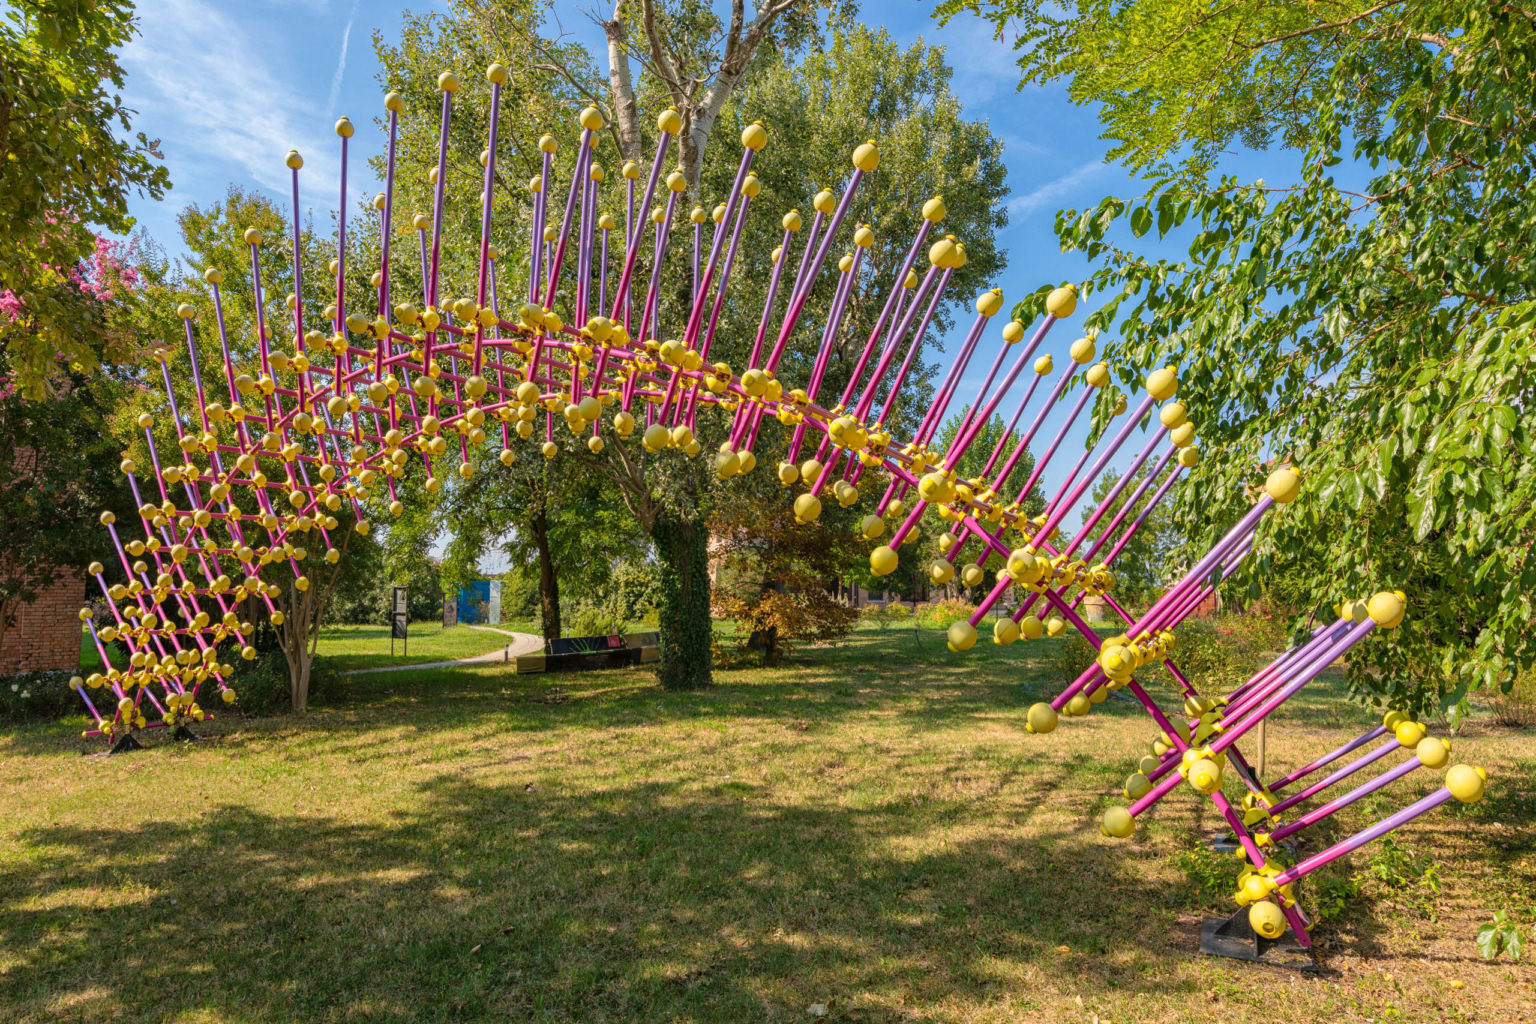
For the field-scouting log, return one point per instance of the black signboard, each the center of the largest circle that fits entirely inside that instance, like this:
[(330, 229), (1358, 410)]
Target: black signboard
[(399, 618)]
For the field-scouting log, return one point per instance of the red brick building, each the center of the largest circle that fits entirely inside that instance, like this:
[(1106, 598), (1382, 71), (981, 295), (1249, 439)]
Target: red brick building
[(46, 633)]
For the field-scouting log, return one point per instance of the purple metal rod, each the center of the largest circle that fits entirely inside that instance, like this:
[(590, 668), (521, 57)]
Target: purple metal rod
[(1361, 838), (1329, 758), (1338, 776), (1339, 803), (1236, 729)]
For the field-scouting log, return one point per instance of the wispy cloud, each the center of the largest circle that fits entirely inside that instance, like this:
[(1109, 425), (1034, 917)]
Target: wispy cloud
[(208, 85), (341, 64), (1049, 194)]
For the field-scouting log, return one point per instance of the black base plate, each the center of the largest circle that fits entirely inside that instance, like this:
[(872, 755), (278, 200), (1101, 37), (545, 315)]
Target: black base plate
[(1234, 938), (124, 743), (184, 734)]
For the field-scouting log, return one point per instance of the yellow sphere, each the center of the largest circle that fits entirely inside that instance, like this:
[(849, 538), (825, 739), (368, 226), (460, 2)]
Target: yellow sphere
[(1118, 823), (1005, 631), (1392, 719), (883, 561), (1433, 752), (1466, 783), (871, 527), (754, 136), (1137, 786), (866, 157), (1162, 384), (1183, 435), (1062, 301), (1409, 733), (591, 119), (1266, 920), (448, 82), (1173, 415), (807, 508), (1032, 627), (1385, 609), (1283, 485), (940, 572), (1040, 718), (1189, 457), (1205, 775), (670, 121), (961, 636), (1078, 706), (1083, 350)]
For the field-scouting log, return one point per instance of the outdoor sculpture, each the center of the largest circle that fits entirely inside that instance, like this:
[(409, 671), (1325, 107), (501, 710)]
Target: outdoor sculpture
[(336, 420)]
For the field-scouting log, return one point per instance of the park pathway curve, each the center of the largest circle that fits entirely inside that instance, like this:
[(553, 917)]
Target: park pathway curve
[(522, 643)]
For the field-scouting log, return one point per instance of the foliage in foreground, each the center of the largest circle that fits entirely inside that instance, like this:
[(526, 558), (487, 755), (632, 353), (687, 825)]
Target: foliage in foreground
[(1379, 335)]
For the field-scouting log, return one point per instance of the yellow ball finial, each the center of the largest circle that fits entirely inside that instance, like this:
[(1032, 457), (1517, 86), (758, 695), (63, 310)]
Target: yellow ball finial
[(293, 159), (1466, 783), (394, 102), (934, 210), (448, 82), (1062, 301), (754, 136), (989, 302), (1386, 609), (496, 74), (1118, 823), (591, 119), (1283, 485), (670, 121), (344, 128), (1162, 384)]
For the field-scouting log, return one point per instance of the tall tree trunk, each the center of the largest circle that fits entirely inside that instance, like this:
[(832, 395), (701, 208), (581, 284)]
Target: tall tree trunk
[(682, 551), (549, 582)]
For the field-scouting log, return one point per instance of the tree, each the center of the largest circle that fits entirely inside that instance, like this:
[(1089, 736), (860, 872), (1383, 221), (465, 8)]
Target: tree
[(1379, 336), (58, 461), (1176, 81), (775, 577), (213, 236), (67, 166), (859, 86), (680, 55)]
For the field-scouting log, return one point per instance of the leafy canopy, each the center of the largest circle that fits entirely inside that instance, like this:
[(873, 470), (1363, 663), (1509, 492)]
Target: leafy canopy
[(67, 162), (1379, 336)]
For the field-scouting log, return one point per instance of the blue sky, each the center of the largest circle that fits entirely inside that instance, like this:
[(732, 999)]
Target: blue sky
[(229, 88)]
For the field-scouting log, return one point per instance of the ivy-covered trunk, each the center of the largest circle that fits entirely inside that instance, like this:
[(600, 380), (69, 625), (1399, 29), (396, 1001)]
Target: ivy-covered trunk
[(682, 551), (549, 582)]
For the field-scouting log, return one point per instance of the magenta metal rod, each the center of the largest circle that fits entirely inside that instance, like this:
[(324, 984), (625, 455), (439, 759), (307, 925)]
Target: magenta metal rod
[(871, 390), (1007, 435), (1191, 581), (621, 293), (1361, 838), (1337, 776), (485, 202), (1272, 676), (1339, 803), (1236, 729), (792, 317), (888, 405), (1329, 758), (963, 440), (1136, 496), (696, 317)]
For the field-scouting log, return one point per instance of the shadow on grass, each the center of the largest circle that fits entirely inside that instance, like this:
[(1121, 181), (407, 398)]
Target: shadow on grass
[(644, 902)]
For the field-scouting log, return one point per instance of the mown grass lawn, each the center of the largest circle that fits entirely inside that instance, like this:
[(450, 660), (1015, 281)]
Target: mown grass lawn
[(866, 829), (349, 647)]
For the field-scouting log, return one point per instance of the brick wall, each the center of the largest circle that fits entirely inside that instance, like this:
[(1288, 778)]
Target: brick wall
[(46, 633)]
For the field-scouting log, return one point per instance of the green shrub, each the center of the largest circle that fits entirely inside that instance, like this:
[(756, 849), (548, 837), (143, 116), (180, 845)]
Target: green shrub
[(262, 686), (42, 696), (1517, 705), (1070, 657)]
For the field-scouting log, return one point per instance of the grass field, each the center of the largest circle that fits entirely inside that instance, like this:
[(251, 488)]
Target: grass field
[(866, 830), (354, 647)]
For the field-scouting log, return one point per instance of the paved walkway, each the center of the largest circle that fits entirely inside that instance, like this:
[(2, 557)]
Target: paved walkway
[(522, 643)]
